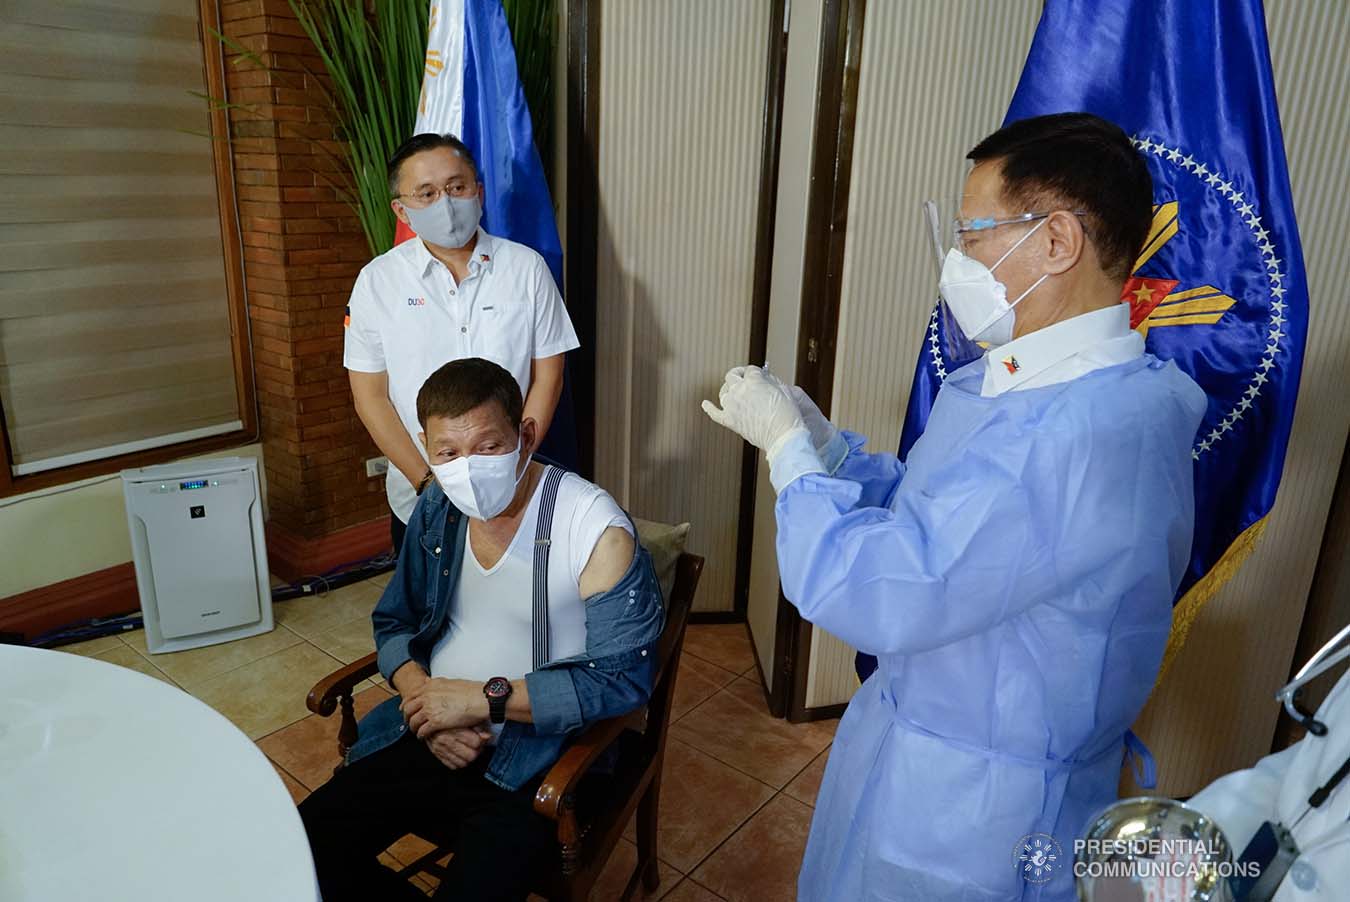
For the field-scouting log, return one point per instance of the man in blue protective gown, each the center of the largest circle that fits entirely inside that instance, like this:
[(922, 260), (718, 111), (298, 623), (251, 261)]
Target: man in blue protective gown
[(1015, 574)]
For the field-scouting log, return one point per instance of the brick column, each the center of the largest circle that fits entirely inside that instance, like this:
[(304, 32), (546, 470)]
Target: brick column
[(302, 250)]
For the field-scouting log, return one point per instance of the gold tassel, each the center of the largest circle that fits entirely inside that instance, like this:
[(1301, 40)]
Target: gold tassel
[(1186, 610)]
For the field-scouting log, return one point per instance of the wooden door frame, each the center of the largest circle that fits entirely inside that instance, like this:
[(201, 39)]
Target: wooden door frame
[(775, 60), (817, 336)]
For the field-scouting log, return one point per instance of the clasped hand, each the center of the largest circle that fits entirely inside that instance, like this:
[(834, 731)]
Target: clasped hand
[(459, 747), (450, 716), (442, 704)]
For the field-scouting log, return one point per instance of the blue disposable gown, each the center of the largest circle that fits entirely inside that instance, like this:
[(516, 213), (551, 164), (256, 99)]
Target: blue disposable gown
[(1015, 579)]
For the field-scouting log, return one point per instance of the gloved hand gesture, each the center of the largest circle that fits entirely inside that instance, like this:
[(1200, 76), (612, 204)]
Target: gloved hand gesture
[(822, 430), (756, 406), (828, 441)]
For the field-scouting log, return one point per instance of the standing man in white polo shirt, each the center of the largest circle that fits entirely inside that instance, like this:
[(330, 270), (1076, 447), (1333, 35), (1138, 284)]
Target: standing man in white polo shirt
[(452, 292)]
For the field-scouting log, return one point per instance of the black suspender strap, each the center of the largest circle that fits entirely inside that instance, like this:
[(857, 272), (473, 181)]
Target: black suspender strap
[(543, 538)]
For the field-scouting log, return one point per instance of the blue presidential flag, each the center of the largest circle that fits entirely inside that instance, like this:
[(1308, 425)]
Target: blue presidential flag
[(1219, 286)]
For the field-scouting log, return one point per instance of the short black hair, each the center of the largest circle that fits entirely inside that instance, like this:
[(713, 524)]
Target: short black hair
[(461, 385), (1078, 161), (426, 141)]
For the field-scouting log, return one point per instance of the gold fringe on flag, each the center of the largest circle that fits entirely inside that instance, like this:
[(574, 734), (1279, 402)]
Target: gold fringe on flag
[(1186, 610)]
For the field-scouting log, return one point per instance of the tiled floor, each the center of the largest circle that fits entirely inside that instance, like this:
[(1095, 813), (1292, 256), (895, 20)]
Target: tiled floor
[(738, 787)]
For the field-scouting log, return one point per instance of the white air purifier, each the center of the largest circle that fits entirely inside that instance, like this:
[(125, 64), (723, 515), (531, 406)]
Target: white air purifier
[(198, 545)]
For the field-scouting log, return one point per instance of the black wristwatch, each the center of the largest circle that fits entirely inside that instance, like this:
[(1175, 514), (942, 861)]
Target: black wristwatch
[(497, 690), (426, 481)]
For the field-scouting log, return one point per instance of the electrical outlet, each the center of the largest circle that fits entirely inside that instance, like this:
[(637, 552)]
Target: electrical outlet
[(377, 466)]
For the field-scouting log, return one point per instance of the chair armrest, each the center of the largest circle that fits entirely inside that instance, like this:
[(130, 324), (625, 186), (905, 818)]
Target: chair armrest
[(562, 778), (323, 698)]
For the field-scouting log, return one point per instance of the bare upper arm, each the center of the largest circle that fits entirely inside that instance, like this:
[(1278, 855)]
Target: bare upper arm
[(609, 561), (546, 368), (368, 387)]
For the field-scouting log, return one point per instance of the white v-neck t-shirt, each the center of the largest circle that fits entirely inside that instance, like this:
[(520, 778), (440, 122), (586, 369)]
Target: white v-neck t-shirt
[(491, 613)]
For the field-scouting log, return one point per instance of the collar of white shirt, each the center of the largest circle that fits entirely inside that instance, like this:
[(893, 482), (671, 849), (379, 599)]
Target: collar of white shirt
[(484, 250), (1061, 352)]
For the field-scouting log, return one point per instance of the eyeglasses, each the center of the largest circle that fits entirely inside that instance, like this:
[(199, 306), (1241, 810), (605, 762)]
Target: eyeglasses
[(426, 196), (961, 228)]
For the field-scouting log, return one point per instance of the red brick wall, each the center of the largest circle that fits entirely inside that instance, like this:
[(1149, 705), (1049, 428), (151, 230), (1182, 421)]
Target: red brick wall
[(302, 250)]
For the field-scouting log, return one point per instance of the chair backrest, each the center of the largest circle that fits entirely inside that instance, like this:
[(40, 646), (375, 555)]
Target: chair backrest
[(687, 572)]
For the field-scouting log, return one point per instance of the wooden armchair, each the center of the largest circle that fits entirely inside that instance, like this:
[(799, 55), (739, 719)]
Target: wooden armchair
[(591, 813)]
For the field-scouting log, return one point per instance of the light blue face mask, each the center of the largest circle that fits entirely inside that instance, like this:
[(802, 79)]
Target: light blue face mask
[(449, 222)]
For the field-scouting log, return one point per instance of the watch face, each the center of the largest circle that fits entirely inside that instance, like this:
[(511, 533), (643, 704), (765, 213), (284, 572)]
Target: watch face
[(497, 687)]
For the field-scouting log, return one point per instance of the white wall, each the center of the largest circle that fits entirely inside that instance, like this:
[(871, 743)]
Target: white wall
[(67, 531), (681, 121)]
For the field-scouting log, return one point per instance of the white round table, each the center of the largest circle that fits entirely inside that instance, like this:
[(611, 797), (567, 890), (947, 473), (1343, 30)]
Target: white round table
[(116, 786)]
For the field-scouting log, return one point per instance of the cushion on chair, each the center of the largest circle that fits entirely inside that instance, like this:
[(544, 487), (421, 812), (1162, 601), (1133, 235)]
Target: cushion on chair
[(666, 544)]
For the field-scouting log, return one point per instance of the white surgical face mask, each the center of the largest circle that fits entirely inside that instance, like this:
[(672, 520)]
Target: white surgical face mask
[(481, 485), (448, 221), (978, 300)]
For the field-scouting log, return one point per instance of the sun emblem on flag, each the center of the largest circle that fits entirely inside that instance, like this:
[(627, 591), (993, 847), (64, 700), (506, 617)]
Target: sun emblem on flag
[(434, 63), (1206, 304), (1156, 302)]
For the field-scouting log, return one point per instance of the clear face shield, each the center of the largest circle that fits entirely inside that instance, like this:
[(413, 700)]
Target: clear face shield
[(952, 344), (982, 296)]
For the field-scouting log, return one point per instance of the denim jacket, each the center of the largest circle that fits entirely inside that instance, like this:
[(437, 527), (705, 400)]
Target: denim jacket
[(612, 677)]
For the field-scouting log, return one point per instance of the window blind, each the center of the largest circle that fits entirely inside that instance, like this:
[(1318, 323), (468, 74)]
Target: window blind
[(114, 314)]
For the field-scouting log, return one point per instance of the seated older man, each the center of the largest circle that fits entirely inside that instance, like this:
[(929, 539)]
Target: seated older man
[(498, 653)]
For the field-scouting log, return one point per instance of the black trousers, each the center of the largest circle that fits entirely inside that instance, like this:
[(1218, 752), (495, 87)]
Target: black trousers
[(397, 529), (500, 842)]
